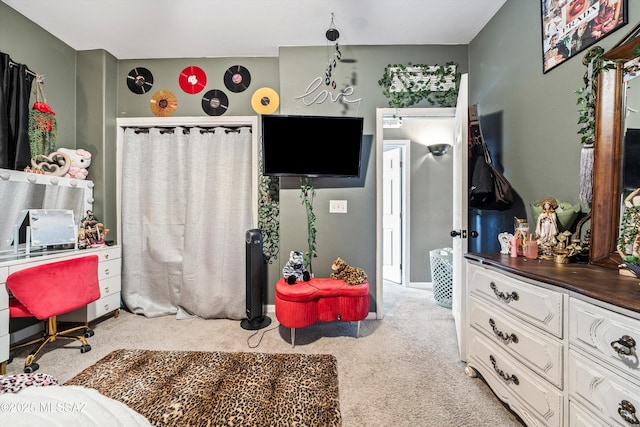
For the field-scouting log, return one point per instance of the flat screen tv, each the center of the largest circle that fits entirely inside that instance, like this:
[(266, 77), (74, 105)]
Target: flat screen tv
[(311, 146)]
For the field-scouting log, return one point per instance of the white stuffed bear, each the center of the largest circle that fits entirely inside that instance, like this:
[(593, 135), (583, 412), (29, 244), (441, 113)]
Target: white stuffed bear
[(80, 160)]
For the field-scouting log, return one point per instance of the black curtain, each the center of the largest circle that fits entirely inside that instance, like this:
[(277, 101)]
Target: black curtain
[(15, 87)]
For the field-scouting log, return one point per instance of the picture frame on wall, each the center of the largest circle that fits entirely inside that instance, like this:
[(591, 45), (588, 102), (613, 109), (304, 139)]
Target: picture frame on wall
[(571, 26)]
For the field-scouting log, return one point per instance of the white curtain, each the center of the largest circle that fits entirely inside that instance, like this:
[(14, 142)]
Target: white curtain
[(186, 207)]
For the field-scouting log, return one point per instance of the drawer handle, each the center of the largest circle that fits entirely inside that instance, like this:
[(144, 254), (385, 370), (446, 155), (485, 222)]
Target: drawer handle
[(513, 296), (503, 336), (506, 377), (106, 307), (106, 289), (106, 256), (628, 412), (625, 345), (106, 271)]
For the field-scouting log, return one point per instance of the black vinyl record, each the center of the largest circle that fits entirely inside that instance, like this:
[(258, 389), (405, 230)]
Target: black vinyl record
[(215, 102), (237, 78), (139, 80)]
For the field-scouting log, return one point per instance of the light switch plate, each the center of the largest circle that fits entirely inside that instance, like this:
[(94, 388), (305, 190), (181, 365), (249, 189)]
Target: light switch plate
[(337, 206)]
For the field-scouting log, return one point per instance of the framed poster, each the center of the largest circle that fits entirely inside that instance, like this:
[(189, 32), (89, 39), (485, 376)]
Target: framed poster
[(570, 26)]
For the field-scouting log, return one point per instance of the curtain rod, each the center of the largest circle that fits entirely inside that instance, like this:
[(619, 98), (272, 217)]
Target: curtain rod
[(187, 129), (26, 70)]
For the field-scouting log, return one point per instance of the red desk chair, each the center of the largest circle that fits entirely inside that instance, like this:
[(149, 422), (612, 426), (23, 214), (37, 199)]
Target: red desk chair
[(48, 290)]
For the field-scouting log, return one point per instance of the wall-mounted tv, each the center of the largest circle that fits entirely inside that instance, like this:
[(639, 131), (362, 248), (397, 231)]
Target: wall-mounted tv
[(313, 146)]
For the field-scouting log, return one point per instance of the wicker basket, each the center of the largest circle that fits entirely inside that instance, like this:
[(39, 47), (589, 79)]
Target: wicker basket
[(442, 276)]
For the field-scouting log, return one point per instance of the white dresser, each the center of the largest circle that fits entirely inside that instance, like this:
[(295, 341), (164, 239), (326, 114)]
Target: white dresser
[(555, 350), (108, 272)]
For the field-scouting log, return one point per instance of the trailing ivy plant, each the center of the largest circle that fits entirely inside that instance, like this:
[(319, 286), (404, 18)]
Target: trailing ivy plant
[(307, 193), (269, 215), (439, 92), (587, 94)]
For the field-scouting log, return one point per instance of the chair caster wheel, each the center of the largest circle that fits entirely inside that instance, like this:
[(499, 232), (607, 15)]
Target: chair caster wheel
[(89, 333), (31, 368), (85, 348)]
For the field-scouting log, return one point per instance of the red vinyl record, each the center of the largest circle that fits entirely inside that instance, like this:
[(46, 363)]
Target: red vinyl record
[(192, 79)]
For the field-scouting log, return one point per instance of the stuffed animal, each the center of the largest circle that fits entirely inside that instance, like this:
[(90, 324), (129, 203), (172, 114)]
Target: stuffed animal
[(80, 160), (351, 275), (294, 268)]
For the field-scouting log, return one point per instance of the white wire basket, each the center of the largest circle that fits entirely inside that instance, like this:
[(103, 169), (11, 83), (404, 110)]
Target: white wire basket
[(442, 275)]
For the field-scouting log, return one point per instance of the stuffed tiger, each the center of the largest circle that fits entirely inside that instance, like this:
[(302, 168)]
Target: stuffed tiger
[(351, 275), (294, 268)]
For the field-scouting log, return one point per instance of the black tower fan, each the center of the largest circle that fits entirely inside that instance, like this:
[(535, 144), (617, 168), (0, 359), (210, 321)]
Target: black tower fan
[(256, 279)]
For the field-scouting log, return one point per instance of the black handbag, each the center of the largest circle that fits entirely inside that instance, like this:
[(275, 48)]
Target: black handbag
[(489, 189)]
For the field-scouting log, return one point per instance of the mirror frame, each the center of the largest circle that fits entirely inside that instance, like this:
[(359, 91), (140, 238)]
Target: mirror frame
[(607, 162)]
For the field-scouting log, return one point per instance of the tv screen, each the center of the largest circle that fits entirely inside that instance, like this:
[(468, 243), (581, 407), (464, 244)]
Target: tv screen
[(311, 146)]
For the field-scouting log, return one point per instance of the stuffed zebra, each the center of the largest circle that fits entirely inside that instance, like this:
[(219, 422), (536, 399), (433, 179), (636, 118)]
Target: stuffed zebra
[(294, 268)]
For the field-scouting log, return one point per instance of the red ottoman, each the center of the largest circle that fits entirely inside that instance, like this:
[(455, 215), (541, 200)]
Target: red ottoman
[(320, 300)]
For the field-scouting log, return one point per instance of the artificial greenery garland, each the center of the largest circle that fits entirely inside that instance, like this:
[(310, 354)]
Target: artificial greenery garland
[(268, 215), (307, 193), (438, 92)]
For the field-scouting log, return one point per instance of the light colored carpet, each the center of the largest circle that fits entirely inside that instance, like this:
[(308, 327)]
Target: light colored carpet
[(403, 370)]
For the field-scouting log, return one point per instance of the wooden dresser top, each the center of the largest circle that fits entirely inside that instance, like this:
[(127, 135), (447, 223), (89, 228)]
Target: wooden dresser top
[(592, 281)]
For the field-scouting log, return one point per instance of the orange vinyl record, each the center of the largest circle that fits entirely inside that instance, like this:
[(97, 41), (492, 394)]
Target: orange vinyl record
[(163, 103), (265, 101), (192, 79)]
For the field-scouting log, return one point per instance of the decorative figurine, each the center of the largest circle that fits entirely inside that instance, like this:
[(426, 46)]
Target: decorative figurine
[(547, 224), (505, 240)]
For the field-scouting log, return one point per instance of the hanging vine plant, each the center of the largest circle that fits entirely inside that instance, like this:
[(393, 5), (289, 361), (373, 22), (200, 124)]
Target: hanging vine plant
[(307, 193), (269, 215), (408, 85), (587, 94)]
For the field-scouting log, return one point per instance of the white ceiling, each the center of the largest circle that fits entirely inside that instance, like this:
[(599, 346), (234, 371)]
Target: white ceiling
[(139, 29)]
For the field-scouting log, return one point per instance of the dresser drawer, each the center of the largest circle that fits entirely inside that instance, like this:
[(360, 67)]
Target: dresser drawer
[(543, 308), (110, 286), (4, 321), (536, 401), (606, 335), (580, 417), (602, 391), (4, 296), (112, 252), (109, 268), (101, 307), (540, 352)]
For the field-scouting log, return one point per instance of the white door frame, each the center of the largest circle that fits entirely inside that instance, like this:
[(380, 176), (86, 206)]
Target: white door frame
[(405, 158), (380, 113)]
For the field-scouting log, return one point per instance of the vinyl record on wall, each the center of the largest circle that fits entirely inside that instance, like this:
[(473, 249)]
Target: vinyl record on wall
[(237, 78), (215, 102), (265, 101), (139, 80), (192, 79), (163, 103)]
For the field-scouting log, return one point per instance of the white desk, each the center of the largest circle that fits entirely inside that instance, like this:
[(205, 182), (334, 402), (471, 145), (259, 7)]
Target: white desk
[(109, 267)]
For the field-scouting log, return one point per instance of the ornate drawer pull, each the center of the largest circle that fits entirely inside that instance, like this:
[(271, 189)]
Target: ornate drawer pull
[(625, 345), (628, 412), (513, 296), (506, 377), (106, 256), (503, 336)]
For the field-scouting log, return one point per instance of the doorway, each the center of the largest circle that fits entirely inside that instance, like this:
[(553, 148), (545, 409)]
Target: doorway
[(395, 188), (426, 216)]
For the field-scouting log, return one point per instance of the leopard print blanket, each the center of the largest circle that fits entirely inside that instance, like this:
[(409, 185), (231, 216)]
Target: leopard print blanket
[(189, 388)]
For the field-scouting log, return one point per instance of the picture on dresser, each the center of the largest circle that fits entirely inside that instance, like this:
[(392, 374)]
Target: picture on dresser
[(569, 27)]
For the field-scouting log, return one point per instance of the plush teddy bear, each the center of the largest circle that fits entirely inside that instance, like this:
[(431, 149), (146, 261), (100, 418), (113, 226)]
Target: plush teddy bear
[(80, 160), (351, 275), (294, 268)]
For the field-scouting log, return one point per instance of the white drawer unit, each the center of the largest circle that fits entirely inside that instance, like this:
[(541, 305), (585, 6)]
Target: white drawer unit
[(609, 337), (515, 343), (109, 270), (536, 401), (603, 392), (558, 343), (538, 351), (535, 305)]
